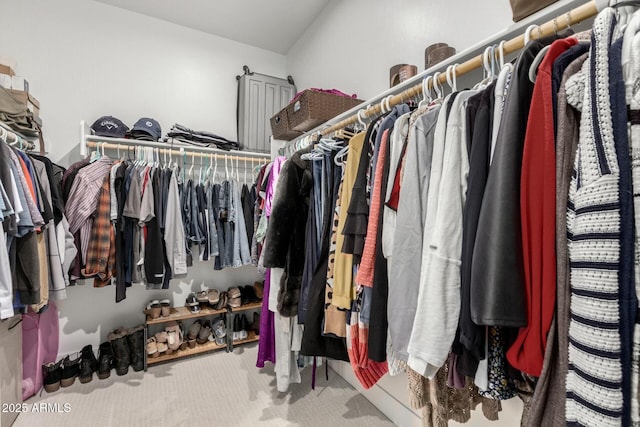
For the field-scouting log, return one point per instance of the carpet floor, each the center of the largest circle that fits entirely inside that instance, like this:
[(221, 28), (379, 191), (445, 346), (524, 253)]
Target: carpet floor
[(215, 389)]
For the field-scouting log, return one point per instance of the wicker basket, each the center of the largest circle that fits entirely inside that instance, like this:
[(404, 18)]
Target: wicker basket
[(280, 127), (314, 108)]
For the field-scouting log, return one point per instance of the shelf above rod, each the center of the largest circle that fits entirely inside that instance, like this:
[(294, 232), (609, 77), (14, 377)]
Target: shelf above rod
[(176, 145), (166, 148)]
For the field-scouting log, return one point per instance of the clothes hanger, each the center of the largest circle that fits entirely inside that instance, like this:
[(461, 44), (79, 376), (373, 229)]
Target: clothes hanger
[(527, 33), (361, 120), (437, 86), (427, 97), (226, 168), (193, 161), (452, 80), (501, 53)]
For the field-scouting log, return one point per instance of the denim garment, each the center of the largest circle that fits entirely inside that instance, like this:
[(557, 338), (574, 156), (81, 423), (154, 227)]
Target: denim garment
[(241, 251)]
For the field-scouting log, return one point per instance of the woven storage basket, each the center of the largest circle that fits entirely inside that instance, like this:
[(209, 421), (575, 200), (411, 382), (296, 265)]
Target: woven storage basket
[(314, 108), (280, 126)]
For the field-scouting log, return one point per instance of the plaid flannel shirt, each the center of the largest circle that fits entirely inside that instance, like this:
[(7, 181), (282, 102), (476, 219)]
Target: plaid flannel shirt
[(101, 251)]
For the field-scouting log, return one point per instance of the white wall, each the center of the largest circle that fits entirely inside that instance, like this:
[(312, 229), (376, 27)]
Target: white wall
[(84, 59), (352, 44), (351, 47)]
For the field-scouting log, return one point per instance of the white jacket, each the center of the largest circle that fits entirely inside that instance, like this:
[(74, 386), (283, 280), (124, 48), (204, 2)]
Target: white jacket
[(174, 238), (438, 309)]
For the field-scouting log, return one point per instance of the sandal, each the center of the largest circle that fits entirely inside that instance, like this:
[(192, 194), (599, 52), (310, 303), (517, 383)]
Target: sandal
[(214, 296), (165, 306), (152, 348), (161, 342), (153, 309), (222, 303), (174, 335), (203, 296)]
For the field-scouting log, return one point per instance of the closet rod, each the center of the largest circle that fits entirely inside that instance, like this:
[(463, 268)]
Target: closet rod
[(30, 145), (573, 16), (176, 150)]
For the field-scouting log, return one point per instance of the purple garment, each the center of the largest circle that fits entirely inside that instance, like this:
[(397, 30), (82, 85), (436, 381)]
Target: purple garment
[(267, 339), (271, 186)]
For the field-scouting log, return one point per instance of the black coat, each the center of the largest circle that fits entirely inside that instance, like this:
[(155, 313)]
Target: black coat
[(285, 240)]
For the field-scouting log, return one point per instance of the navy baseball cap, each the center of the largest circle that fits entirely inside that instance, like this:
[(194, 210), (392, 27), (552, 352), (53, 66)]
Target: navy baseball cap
[(109, 126), (146, 129)]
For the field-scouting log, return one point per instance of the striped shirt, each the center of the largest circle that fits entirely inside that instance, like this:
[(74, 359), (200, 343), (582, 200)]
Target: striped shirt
[(83, 200)]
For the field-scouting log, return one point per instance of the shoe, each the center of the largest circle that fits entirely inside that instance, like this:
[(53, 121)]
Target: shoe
[(194, 329), (219, 331), (105, 360), (174, 335), (250, 295), (70, 370), (203, 296), (244, 297), (135, 340), (154, 309), (255, 326), (222, 303), (205, 332), (165, 306), (192, 303), (258, 287), (235, 302), (192, 300), (161, 342), (213, 297), (51, 374), (88, 365), (234, 292), (121, 351), (152, 348)]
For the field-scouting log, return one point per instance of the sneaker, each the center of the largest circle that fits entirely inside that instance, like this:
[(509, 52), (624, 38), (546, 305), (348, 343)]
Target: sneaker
[(88, 365), (105, 360), (70, 370), (51, 374), (219, 331)]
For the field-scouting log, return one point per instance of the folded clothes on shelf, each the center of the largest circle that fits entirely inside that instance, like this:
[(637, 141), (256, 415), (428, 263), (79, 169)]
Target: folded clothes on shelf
[(204, 139)]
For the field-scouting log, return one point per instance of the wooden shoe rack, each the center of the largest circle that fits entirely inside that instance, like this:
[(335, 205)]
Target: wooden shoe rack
[(184, 313)]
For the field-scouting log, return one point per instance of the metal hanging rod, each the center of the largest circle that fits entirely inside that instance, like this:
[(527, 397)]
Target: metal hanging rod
[(411, 90), (178, 151)]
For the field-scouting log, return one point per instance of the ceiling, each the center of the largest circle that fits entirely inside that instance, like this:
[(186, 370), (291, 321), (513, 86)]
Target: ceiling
[(274, 25)]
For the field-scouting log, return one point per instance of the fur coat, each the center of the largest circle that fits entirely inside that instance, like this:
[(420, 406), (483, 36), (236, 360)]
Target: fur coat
[(285, 240)]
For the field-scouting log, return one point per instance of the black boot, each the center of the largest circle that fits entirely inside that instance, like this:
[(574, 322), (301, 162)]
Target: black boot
[(88, 365), (70, 370), (121, 352), (51, 374), (105, 360), (135, 338)]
